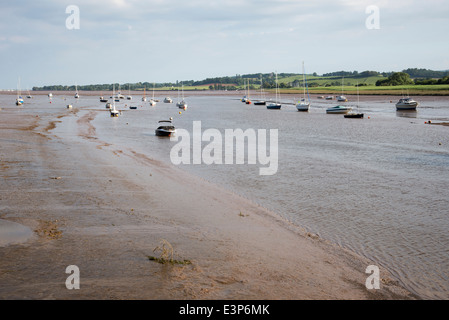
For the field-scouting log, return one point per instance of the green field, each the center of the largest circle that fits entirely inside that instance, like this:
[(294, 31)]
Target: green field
[(416, 90)]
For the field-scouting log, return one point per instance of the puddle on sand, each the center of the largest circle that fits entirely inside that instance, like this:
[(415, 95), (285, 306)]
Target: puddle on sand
[(13, 233)]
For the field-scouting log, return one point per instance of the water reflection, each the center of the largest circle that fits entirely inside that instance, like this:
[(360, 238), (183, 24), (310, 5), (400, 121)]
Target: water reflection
[(407, 113)]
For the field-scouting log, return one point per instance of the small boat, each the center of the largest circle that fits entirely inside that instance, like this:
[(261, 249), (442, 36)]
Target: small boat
[(152, 100), (144, 98), (262, 101), (338, 109), (406, 103), (275, 105), (19, 100), (304, 105), (168, 100), (69, 106), (342, 98), (320, 97), (129, 97), (329, 98), (50, 95), (103, 99), (166, 128), (108, 106), (182, 104), (76, 92), (355, 115), (245, 97), (133, 107), (113, 111)]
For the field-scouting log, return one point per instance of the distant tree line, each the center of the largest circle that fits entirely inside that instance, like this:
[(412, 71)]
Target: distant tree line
[(355, 74), (403, 78), (408, 76)]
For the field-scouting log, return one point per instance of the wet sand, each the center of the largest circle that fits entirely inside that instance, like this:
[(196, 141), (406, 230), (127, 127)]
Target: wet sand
[(106, 208)]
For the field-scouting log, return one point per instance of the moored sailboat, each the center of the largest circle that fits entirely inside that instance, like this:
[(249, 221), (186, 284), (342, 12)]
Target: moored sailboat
[(113, 111), (276, 104), (355, 115), (181, 104), (19, 99), (304, 105)]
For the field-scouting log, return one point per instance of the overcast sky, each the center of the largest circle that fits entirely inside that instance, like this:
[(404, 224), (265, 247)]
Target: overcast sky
[(168, 40)]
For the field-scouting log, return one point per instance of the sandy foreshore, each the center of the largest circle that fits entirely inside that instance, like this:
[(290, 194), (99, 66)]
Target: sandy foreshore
[(106, 208)]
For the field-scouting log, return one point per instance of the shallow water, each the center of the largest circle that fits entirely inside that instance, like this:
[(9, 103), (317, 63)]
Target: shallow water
[(13, 233), (377, 185)]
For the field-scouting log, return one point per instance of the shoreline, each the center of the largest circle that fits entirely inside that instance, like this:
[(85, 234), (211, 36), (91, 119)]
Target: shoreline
[(106, 208)]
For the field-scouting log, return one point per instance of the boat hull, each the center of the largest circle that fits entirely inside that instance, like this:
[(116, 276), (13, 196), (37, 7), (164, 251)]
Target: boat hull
[(354, 115), (337, 110), (406, 106), (164, 132), (302, 107), (274, 106), (260, 103)]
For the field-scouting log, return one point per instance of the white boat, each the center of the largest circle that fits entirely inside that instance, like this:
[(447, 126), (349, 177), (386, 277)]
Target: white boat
[(129, 97), (113, 111), (338, 109), (329, 98), (304, 105), (275, 104), (406, 103), (168, 100), (144, 98), (69, 106), (165, 128), (152, 100), (342, 98), (50, 95), (76, 92), (19, 100), (181, 104)]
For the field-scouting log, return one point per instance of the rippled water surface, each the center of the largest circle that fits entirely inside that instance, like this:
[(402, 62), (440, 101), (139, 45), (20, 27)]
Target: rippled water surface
[(377, 185)]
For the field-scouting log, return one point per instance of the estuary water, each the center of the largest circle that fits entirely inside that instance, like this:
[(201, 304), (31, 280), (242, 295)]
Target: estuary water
[(377, 186)]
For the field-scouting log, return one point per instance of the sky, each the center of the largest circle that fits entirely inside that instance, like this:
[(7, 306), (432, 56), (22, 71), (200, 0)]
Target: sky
[(127, 41)]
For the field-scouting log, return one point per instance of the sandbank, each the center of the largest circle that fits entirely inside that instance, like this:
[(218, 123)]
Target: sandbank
[(106, 208)]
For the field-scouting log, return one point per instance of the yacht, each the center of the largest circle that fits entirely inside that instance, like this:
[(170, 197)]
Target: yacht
[(165, 129), (406, 104), (338, 109)]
